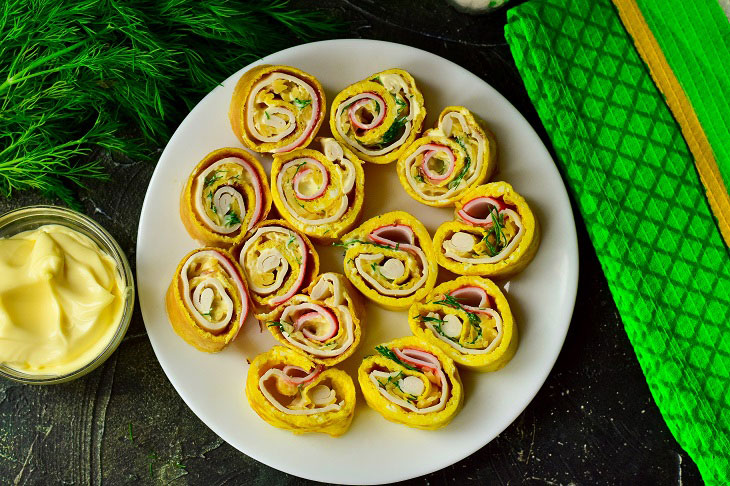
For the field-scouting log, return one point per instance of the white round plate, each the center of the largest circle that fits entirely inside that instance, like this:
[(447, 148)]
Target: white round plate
[(373, 450)]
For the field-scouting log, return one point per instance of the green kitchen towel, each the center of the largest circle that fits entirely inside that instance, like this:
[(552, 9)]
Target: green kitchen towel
[(624, 158)]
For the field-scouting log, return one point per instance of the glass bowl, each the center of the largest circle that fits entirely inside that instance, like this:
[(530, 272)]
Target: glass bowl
[(32, 217)]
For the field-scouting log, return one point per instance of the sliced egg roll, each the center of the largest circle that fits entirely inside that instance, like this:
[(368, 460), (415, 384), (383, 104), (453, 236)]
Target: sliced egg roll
[(495, 233), (207, 300), (412, 382), (225, 195), (377, 118), (319, 193), (458, 154), (324, 322), (277, 109), (277, 262), (390, 259), (470, 320), (291, 392)]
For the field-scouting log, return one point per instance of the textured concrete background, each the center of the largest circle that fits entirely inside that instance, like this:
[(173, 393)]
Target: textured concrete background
[(594, 421)]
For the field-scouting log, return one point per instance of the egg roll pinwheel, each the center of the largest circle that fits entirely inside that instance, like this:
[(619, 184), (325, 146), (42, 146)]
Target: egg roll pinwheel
[(207, 300), (291, 392), (390, 259), (319, 193), (377, 118), (277, 109), (495, 233), (469, 319), (412, 382), (458, 154), (225, 195), (277, 262), (324, 322)]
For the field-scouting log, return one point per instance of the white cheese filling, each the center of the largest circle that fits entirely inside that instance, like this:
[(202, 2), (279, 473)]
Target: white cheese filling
[(452, 248), (368, 259), (200, 303)]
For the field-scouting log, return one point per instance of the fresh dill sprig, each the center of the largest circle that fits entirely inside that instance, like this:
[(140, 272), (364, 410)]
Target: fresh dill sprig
[(451, 301), (84, 77), (388, 353), (462, 173), (496, 231), (281, 325), (231, 218), (437, 323), (131, 437), (347, 244), (301, 104), (393, 131)]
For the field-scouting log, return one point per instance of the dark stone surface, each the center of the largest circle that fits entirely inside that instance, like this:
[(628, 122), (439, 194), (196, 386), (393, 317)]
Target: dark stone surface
[(593, 422)]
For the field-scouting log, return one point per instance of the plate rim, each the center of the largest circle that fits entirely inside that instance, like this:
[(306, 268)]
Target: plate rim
[(571, 280)]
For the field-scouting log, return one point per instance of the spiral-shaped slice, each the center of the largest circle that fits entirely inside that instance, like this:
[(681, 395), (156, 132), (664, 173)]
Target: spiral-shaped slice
[(469, 319), (226, 194), (207, 300), (458, 154), (319, 193), (412, 382), (277, 109), (291, 392), (324, 322), (390, 259), (495, 233), (377, 118), (277, 262)]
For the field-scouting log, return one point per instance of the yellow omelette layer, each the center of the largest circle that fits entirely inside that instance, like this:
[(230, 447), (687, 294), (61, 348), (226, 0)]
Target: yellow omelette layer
[(281, 94), (354, 306), (396, 413), (334, 423), (356, 242), (238, 178), (396, 108), (517, 260), (470, 337), (322, 207), (464, 146), (286, 244), (182, 321)]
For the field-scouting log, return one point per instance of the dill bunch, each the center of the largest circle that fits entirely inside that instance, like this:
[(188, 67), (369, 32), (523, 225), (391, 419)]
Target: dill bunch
[(78, 76)]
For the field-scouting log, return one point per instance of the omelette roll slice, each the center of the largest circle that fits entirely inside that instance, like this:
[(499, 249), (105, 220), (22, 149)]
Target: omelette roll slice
[(412, 382), (207, 301), (469, 319), (458, 154), (226, 194), (377, 118), (277, 262), (495, 233), (319, 193), (390, 259), (291, 392), (324, 323), (277, 109)]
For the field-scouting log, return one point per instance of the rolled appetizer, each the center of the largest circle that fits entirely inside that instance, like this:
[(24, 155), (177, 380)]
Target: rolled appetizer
[(377, 118), (412, 382), (458, 154), (226, 195), (495, 233), (291, 392), (469, 319), (390, 259), (207, 300), (319, 193), (324, 322), (277, 262), (277, 109)]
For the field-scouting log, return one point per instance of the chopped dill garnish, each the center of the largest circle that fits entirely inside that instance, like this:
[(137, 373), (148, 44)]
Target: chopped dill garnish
[(393, 131), (431, 319), (500, 239), (420, 179), (462, 173), (299, 166), (394, 380), (437, 325), (301, 104), (281, 325), (354, 241), (401, 104), (451, 301), (212, 178), (266, 114), (377, 79), (212, 206), (388, 353), (376, 270), (131, 437), (291, 240), (231, 218), (377, 108), (180, 466)]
